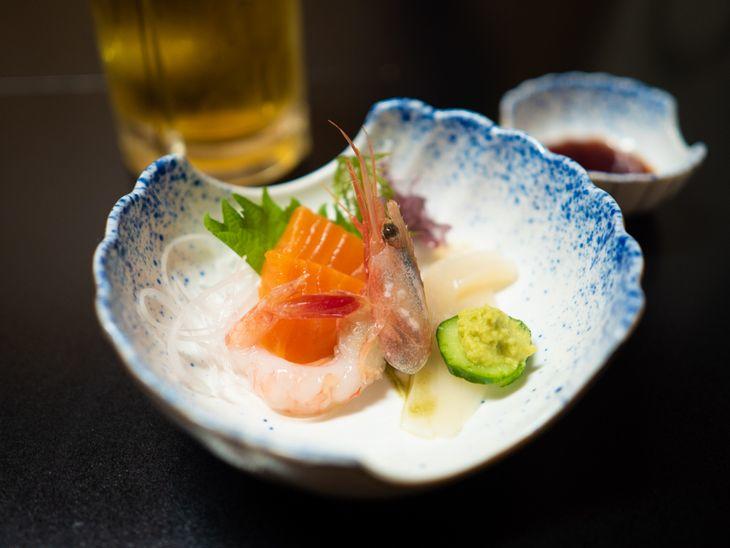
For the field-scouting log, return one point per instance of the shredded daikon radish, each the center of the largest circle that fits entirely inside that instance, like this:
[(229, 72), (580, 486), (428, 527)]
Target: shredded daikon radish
[(192, 327)]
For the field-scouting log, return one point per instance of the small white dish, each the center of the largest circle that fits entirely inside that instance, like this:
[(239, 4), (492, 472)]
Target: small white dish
[(625, 113), (578, 289)]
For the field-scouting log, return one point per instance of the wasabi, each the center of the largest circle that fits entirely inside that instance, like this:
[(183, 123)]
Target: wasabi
[(484, 345)]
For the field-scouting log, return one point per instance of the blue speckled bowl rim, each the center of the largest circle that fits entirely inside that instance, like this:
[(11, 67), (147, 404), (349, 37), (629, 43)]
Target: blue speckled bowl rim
[(165, 395), (610, 83)]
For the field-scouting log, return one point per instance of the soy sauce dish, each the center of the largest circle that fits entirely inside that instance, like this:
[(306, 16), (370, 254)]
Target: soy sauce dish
[(625, 133), (528, 283)]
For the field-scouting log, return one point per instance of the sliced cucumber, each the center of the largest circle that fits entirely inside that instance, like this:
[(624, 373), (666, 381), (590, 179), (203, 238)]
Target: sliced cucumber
[(501, 369)]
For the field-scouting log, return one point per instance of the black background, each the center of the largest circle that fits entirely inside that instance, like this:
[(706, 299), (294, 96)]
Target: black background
[(85, 459)]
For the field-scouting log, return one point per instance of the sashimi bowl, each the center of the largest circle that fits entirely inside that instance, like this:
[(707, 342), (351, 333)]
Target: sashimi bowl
[(577, 287)]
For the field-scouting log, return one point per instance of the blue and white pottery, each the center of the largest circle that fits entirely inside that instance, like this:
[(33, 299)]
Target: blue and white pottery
[(626, 113), (578, 289)]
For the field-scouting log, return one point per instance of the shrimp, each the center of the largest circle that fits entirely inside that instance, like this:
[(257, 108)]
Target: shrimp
[(389, 322), (312, 388), (303, 390), (394, 286), (288, 302)]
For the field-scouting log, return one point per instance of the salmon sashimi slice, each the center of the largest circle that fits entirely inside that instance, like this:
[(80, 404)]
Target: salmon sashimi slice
[(305, 340), (280, 268), (311, 237)]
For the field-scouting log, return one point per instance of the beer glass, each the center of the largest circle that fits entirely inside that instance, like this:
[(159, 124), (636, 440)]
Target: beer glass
[(220, 81)]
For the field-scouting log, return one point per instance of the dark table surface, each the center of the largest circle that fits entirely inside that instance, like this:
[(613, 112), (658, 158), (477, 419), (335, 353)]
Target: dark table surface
[(86, 459)]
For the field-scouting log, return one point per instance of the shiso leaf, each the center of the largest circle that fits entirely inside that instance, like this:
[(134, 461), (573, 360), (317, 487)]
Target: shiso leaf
[(253, 230)]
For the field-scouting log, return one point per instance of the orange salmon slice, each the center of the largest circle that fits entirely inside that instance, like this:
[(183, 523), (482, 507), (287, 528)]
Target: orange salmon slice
[(303, 341), (311, 237)]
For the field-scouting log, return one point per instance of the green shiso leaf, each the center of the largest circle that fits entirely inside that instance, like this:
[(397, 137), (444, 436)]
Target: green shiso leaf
[(253, 230)]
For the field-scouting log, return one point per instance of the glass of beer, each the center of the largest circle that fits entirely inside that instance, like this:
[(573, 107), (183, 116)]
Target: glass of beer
[(219, 81)]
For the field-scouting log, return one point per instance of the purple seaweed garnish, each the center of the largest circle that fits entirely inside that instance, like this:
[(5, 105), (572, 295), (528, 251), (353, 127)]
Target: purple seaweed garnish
[(423, 228)]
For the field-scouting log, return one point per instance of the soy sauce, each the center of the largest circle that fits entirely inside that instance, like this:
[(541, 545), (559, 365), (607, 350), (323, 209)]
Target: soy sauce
[(595, 155)]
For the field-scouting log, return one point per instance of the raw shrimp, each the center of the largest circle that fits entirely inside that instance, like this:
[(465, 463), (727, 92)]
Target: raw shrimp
[(390, 322), (312, 389), (393, 281), (287, 301)]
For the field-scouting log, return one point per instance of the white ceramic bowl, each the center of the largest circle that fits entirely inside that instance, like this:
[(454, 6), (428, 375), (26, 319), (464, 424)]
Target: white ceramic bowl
[(624, 112), (579, 290)]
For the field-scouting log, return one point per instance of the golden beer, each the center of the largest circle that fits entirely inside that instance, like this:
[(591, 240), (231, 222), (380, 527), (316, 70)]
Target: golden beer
[(218, 80)]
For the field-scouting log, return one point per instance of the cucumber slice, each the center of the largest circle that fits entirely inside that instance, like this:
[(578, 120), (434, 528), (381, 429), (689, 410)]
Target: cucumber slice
[(497, 372)]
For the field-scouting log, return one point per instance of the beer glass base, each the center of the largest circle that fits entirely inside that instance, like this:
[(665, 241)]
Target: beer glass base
[(252, 160)]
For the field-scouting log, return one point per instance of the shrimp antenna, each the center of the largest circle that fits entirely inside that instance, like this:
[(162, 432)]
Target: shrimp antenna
[(363, 188), (356, 150), (347, 138), (337, 200), (358, 155), (372, 155), (359, 188), (339, 203)]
